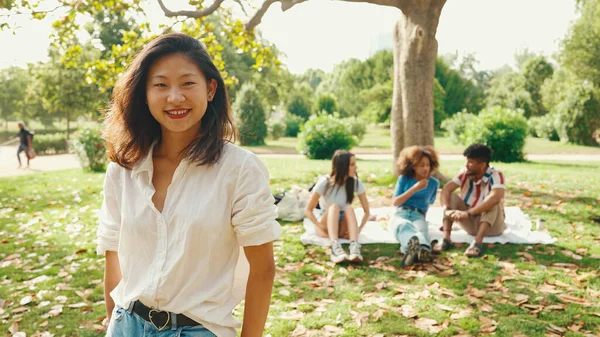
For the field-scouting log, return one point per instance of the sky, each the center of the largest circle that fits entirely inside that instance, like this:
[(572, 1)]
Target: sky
[(321, 33)]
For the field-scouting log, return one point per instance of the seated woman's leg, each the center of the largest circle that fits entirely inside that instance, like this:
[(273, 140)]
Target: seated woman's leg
[(351, 222), (321, 228), (404, 231), (333, 221), (422, 232)]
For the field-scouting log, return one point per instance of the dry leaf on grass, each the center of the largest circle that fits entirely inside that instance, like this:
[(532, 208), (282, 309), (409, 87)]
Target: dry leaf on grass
[(428, 324), (573, 299)]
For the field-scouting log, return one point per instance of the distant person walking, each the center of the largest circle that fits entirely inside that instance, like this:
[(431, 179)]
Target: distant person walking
[(26, 141)]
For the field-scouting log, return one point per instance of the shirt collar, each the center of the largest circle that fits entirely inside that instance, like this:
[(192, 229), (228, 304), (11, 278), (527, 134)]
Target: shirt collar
[(145, 164), (486, 176)]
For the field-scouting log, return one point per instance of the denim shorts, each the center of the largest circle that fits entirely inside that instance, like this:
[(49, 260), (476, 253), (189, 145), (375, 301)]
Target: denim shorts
[(124, 323), (322, 211)]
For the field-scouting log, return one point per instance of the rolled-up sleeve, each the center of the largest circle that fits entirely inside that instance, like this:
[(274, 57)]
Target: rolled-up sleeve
[(109, 217), (254, 211)]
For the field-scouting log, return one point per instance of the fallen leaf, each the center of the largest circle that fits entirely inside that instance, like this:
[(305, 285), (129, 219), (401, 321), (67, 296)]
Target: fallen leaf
[(19, 310), (486, 308), (378, 314), (526, 255), (443, 307), (25, 300), (14, 327), (428, 324)]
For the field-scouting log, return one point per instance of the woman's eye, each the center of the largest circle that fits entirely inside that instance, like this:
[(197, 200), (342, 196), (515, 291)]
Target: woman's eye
[(160, 85), (189, 83)]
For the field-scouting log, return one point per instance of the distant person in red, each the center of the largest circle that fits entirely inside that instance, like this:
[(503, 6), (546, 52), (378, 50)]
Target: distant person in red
[(26, 138)]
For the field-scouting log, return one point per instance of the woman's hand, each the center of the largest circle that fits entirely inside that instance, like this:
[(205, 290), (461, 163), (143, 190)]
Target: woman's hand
[(421, 185)]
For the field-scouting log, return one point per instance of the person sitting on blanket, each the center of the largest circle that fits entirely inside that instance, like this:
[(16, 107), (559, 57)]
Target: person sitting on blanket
[(338, 219), (480, 208), (415, 190)]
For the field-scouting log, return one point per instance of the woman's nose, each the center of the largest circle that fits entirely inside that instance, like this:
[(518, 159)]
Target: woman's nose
[(175, 96)]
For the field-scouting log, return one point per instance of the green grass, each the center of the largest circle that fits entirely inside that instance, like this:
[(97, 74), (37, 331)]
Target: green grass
[(377, 140), (48, 220)]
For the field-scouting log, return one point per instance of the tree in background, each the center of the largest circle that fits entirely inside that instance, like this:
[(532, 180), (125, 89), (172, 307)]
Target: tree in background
[(574, 107), (535, 71), (325, 103), (65, 91), (580, 50), (250, 116), (299, 102), (13, 81), (463, 85), (313, 77), (509, 91)]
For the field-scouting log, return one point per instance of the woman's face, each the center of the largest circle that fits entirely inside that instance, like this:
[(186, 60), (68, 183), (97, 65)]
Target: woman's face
[(178, 93), (423, 168), (352, 168)]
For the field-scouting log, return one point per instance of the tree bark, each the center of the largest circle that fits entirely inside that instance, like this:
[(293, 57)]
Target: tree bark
[(415, 49), (68, 115)]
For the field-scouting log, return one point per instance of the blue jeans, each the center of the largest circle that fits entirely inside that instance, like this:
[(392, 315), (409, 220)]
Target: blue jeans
[(125, 323), (410, 223)]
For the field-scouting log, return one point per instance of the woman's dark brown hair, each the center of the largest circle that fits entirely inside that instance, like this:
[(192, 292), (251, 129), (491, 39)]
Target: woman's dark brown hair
[(129, 127), (411, 156), (340, 165)]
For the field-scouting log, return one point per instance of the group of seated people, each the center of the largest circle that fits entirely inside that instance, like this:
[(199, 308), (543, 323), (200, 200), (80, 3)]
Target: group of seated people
[(478, 208)]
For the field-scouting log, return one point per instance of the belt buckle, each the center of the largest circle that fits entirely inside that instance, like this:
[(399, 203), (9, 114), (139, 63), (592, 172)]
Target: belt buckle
[(158, 312)]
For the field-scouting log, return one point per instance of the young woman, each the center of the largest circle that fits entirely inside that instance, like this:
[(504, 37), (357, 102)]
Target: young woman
[(415, 190), (336, 193), (179, 201)]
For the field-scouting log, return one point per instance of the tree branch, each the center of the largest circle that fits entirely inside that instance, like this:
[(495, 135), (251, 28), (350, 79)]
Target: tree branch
[(400, 4), (191, 14), (256, 19)]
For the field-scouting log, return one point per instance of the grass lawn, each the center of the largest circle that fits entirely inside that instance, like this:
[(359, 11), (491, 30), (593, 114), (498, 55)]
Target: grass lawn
[(377, 140), (51, 278)]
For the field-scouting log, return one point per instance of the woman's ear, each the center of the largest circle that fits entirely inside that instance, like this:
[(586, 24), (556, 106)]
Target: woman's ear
[(212, 89)]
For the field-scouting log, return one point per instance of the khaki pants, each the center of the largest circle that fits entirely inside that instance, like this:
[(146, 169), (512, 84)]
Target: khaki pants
[(494, 216)]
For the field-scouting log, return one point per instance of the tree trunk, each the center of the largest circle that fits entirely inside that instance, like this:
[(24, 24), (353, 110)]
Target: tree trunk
[(415, 49), (68, 124)]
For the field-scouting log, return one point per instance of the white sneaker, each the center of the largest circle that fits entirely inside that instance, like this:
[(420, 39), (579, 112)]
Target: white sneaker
[(337, 252), (355, 255)]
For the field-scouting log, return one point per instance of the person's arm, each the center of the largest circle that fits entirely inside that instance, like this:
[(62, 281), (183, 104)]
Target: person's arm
[(493, 199), (364, 202), (112, 277), (29, 143), (402, 198), (450, 187), (258, 289), (308, 210)]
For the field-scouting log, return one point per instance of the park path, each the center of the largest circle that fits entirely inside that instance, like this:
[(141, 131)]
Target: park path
[(8, 160)]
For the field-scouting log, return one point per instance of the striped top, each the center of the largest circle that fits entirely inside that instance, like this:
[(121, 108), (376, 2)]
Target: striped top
[(474, 192)]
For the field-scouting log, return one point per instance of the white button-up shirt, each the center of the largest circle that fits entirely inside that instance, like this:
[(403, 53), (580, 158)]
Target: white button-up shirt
[(183, 259)]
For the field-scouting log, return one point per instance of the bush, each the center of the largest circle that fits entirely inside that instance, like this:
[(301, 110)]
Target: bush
[(574, 106), (503, 130), (250, 115), (457, 124), (321, 136), (543, 127), (299, 105), (276, 129), (357, 127), (88, 145), (50, 143), (293, 124), (325, 102)]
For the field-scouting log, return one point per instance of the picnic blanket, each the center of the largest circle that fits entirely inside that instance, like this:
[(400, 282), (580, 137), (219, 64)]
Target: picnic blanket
[(518, 229)]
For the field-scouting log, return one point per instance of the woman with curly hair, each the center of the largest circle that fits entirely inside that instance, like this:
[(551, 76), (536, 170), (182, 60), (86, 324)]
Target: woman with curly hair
[(415, 190)]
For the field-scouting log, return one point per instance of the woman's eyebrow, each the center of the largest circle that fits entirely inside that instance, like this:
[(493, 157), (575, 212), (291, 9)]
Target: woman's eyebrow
[(184, 75)]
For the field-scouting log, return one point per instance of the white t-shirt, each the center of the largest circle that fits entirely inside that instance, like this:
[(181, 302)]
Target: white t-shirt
[(335, 194), (183, 259)]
